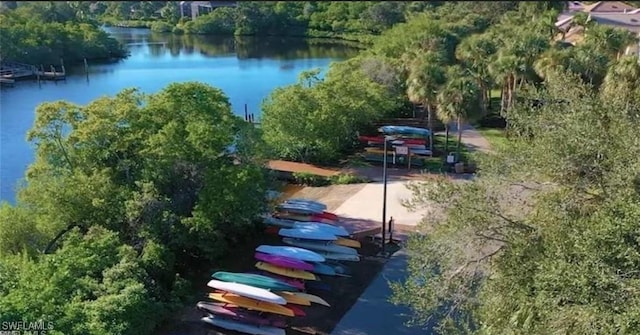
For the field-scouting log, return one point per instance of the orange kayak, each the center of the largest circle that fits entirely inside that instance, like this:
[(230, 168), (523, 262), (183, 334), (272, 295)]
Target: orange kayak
[(251, 304)]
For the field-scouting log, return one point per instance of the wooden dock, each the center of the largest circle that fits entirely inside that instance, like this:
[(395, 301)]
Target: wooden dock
[(12, 71)]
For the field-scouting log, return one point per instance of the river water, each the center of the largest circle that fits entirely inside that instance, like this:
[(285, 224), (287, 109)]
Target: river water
[(246, 69)]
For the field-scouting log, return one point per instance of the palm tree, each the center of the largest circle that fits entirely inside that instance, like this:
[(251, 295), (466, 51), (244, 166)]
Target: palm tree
[(457, 100), (476, 52), (425, 75)]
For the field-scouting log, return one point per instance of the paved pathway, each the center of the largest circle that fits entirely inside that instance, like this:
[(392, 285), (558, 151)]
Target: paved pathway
[(471, 138), (373, 314)]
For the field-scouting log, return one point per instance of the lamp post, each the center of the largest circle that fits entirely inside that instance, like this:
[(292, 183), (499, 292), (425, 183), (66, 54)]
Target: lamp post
[(384, 193)]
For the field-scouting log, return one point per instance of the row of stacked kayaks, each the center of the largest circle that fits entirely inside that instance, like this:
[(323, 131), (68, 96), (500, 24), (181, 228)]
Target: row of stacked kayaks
[(262, 302)]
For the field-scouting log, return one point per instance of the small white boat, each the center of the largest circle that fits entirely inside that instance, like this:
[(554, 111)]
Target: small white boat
[(307, 234), (320, 246), (291, 252), (307, 202), (243, 327), (298, 208), (335, 230), (247, 291)]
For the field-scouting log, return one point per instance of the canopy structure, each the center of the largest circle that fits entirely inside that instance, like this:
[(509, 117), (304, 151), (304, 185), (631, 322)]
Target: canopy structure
[(404, 130)]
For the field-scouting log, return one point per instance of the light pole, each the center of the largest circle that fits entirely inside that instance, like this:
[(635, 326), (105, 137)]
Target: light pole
[(384, 193)]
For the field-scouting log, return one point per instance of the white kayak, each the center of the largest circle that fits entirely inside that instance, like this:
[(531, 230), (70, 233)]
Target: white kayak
[(340, 257), (243, 327), (247, 291), (298, 208), (335, 230), (320, 246), (307, 202), (307, 234), (291, 252)]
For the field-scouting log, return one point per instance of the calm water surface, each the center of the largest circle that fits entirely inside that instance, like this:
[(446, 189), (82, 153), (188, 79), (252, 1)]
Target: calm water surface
[(246, 69)]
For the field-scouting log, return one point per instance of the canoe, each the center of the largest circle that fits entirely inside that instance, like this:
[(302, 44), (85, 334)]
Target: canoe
[(282, 261), (341, 257), (323, 269), (240, 314), (319, 246), (297, 208), (251, 304), (305, 218), (297, 283), (255, 280), (242, 327), (291, 252), (313, 298), (307, 201), (294, 299), (293, 273), (247, 291), (347, 242), (307, 234), (333, 229)]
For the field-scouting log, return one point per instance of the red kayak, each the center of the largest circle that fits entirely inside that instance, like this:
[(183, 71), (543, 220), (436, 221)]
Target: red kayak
[(272, 230), (297, 311), (380, 139), (327, 215)]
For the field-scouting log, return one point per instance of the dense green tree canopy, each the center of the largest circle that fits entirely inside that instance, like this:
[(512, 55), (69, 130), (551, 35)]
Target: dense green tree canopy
[(160, 182), (545, 239), (44, 32)]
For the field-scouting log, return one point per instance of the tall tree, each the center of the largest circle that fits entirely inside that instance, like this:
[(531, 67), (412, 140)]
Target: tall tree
[(426, 74)]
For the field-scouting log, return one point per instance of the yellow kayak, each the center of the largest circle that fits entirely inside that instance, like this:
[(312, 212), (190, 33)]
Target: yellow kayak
[(294, 298), (292, 273), (252, 304), (347, 242), (312, 298)]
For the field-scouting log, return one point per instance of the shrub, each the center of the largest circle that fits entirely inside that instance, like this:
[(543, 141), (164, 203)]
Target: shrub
[(309, 179), (161, 27), (347, 178)]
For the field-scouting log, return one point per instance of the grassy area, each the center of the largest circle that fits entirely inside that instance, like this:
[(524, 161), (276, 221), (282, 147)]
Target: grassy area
[(495, 136)]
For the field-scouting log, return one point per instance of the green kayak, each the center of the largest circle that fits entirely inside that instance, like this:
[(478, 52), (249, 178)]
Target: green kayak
[(254, 280)]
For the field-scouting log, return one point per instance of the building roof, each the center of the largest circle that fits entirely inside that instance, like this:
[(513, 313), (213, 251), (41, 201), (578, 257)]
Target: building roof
[(608, 7), (574, 5), (629, 21)]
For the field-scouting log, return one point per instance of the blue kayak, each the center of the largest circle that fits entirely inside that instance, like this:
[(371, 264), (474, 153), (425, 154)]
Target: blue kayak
[(404, 130)]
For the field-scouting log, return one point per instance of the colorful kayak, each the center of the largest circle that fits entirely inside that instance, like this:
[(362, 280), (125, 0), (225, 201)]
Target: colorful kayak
[(242, 327), (307, 234), (318, 246), (254, 280), (308, 202), (404, 130), (251, 304), (347, 242), (291, 252), (313, 298), (240, 314), (297, 208), (279, 222), (380, 139), (247, 291), (297, 311), (297, 283), (327, 215), (323, 269), (340, 269), (329, 228), (283, 261), (341, 257), (294, 299), (293, 273)]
